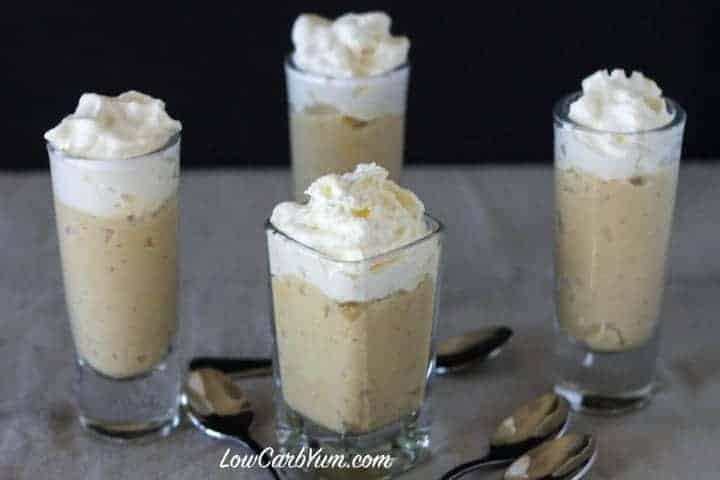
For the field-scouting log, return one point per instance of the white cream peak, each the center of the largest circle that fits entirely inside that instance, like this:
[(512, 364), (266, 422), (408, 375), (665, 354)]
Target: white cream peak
[(353, 45), (354, 216), (109, 128), (622, 138), (614, 102)]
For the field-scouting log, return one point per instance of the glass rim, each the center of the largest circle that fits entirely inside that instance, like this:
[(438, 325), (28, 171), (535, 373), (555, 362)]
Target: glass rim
[(561, 110), (290, 64), (438, 229), (172, 141)]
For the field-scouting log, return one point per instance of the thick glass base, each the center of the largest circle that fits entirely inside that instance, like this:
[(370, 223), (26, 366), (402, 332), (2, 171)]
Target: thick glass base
[(406, 442), (605, 383), (131, 432), (598, 404), (128, 409)]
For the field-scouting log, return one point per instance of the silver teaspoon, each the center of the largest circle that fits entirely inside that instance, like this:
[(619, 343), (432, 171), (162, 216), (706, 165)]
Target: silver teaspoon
[(453, 354), (460, 352), (530, 425), (219, 409), (236, 367), (569, 457)]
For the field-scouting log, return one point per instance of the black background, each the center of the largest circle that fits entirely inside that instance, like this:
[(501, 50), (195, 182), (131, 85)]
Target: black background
[(483, 79)]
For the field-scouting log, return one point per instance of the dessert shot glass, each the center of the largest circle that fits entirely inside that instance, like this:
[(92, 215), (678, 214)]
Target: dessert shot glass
[(614, 202), (117, 223), (354, 348), (337, 123)]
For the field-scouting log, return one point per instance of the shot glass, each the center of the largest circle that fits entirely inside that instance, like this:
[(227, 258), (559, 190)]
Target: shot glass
[(354, 348), (336, 123), (117, 223), (614, 202)]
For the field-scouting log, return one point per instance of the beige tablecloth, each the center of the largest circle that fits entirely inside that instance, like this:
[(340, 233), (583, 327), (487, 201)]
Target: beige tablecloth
[(497, 270)]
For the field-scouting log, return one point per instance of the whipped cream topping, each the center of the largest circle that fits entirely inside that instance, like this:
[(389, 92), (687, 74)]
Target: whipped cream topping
[(352, 217), (623, 110), (354, 45), (614, 102), (348, 66), (107, 158), (105, 128), (363, 98), (116, 188)]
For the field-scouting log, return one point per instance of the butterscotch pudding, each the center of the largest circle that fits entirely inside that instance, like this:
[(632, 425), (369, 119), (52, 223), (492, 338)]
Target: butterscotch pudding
[(617, 155), (347, 86), (611, 298), (354, 278), (115, 169), (120, 276)]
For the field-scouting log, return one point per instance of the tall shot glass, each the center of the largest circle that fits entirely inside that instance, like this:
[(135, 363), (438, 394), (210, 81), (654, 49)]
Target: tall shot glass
[(117, 223), (337, 123), (354, 348), (614, 202)]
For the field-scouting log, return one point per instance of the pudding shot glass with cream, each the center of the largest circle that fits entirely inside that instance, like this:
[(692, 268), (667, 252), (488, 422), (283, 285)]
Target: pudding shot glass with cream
[(354, 286), (617, 154), (347, 83), (115, 165)]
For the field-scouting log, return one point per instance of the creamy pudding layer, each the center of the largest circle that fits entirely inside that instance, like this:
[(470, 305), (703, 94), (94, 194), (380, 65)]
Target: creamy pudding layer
[(324, 143), (352, 367), (611, 247), (614, 200), (353, 309), (120, 276)]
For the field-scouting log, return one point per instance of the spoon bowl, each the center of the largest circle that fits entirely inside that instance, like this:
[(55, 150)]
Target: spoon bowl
[(218, 408), (470, 348), (568, 457), (530, 425), (543, 418)]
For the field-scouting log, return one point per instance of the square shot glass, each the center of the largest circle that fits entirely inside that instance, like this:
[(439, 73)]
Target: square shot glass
[(354, 347)]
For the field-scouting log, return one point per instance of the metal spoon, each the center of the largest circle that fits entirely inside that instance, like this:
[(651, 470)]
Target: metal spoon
[(219, 409), (236, 367), (453, 354), (565, 458), (530, 425), (458, 353)]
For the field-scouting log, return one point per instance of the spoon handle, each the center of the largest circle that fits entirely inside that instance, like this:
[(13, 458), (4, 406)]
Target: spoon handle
[(473, 465), (237, 367), (258, 449)]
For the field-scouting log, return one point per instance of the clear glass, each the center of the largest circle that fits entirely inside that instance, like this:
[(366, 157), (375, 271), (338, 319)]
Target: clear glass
[(117, 223), (614, 202), (336, 123), (354, 348)]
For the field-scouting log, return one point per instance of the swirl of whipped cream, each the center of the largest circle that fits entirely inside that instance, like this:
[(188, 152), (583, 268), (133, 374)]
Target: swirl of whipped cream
[(614, 102), (109, 128), (354, 216), (622, 114), (354, 45)]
